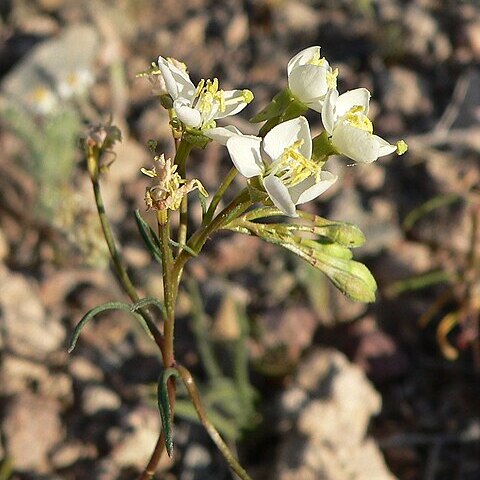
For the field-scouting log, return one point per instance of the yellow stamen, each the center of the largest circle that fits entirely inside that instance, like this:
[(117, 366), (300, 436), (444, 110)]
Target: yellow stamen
[(292, 167), (332, 78), (357, 118), (402, 147), (316, 60)]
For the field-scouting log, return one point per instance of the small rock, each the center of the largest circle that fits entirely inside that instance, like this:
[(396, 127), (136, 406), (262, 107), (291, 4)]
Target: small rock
[(29, 419), (196, 457), (83, 369), (18, 374), (70, 452), (97, 398), (299, 16), (237, 31), (134, 441), (376, 222), (327, 440), (26, 328), (281, 328), (406, 92)]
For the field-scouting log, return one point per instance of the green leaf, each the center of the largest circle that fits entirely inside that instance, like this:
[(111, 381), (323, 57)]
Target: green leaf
[(293, 110), (102, 308), (203, 202), (125, 307), (149, 236), (196, 138), (256, 190), (164, 407), (322, 147), (146, 302)]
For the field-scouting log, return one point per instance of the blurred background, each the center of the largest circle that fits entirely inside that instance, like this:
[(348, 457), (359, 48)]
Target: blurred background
[(303, 383)]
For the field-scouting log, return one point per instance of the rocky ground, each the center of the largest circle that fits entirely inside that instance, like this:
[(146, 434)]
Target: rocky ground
[(342, 390)]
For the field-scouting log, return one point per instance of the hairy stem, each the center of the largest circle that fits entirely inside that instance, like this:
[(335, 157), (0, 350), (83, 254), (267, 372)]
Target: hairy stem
[(235, 208), (183, 151), (119, 264)]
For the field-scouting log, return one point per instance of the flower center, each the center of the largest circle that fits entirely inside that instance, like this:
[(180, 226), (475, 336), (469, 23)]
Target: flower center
[(292, 167), (209, 98), (316, 60), (357, 118)]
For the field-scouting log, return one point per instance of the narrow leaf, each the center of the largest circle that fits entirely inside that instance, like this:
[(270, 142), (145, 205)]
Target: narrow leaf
[(149, 236), (92, 313), (164, 407)]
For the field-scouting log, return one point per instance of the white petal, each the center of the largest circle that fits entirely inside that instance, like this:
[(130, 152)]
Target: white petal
[(308, 82), (308, 190), (355, 143), (177, 81), (245, 153), (237, 106), (285, 134), (385, 148), (328, 110), (186, 114), (222, 134), (352, 98), (302, 58), (280, 195)]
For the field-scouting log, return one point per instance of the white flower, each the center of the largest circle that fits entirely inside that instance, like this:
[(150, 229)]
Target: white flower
[(42, 100), (75, 84), (199, 107), (310, 77), (346, 122), (155, 77), (290, 176)]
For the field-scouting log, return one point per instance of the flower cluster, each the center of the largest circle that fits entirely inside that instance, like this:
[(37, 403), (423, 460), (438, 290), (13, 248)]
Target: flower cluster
[(70, 85), (283, 158), (168, 188)]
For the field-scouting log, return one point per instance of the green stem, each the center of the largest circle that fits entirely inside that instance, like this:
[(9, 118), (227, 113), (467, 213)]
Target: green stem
[(170, 294), (119, 265), (218, 195), (212, 431), (235, 208), (183, 151), (169, 288)]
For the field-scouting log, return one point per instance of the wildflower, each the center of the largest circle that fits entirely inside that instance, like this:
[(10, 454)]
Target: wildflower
[(75, 84), (346, 122), (310, 77), (42, 100), (289, 174), (155, 77), (168, 188), (199, 107)]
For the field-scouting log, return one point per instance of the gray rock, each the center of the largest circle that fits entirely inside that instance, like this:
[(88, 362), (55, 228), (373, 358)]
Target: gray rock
[(24, 324), (327, 411), (70, 452), (18, 373), (97, 398), (50, 62), (32, 427), (406, 92), (376, 221), (133, 442)]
